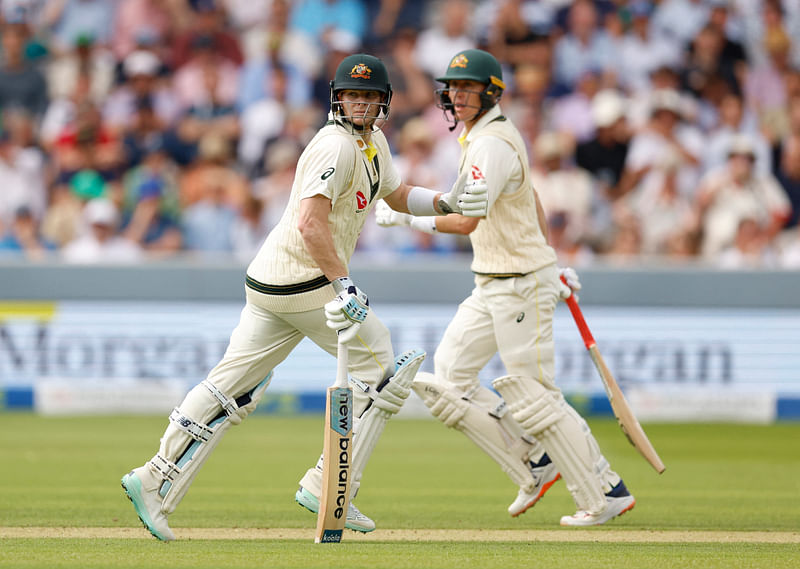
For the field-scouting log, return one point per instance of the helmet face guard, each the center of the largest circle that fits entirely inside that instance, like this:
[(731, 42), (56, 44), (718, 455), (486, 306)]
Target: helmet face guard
[(471, 65), (361, 72)]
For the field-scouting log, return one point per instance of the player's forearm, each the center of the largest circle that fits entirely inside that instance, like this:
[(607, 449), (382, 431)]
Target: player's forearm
[(317, 236), (319, 244)]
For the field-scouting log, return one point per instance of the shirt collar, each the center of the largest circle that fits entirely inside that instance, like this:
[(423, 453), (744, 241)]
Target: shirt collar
[(488, 117)]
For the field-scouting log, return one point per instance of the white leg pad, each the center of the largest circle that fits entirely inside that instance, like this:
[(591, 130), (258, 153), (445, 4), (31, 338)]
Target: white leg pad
[(195, 429), (482, 416), (387, 400), (545, 416)]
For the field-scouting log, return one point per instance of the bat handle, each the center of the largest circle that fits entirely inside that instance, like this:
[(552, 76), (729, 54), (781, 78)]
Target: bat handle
[(577, 315), (341, 363)]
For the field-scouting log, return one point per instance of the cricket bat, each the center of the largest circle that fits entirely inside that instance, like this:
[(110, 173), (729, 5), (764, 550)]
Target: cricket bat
[(619, 405), (337, 455)]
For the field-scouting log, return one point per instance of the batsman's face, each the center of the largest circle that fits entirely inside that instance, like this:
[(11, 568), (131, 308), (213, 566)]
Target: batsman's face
[(466, 98), (363, 107)]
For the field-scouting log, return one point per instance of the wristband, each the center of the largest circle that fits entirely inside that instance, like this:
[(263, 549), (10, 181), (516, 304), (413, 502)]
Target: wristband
[(343, 284), (420, 201), (425, 224)]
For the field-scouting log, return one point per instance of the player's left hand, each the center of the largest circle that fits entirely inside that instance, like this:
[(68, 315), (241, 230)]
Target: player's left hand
[(471, 201), (573, 283), (385, 216)]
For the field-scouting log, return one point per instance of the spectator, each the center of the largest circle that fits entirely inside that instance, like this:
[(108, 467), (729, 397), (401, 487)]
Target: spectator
[(212, 168), (284, 66), (63, 220), (85, 59), (263, 120), (680, 20), (705, 65), (572, 113), (206, 28), (208, 224), (145, 128), (73, 19), (272, 190), (517, 33), (664, 215), (665, 132), (21, 83), (22, 181), (765, 87), (449, 34), (141, 70), (562, 188), (138, 22), (583, 47), (735, 119), (334, 24), (641, 51), (23, 238), (750, 249), (151, 204), (786, 162), (604, 155), (100, 243), (207, 80), (737, 191), (412, 88)]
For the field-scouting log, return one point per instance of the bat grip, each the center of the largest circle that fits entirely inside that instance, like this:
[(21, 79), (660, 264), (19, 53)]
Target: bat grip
[(577, 315), (341, 363)]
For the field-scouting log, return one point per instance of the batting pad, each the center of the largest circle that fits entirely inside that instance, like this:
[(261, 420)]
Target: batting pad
[(482, 416), (387, 401), (201, 438), (543, 415)]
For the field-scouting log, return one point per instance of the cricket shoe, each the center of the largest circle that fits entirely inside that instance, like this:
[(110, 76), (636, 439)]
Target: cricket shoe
[(618, 501), (545, 474), (147, 503), (356, 521)]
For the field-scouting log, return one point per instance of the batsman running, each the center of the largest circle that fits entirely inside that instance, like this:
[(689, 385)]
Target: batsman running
[(531, 432), (297, 286)]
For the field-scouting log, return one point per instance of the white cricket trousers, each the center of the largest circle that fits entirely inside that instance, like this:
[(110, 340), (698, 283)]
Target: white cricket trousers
[(512, 316)]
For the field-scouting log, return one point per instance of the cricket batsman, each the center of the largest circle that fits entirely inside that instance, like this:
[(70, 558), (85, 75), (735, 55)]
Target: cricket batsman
[(297, 286), (531, 432)]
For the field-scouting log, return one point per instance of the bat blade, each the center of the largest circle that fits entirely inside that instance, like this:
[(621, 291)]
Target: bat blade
[(337, 456), (622, 411), (619, 405)]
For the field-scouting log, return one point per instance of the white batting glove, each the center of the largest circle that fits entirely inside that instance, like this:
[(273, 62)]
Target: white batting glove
[(572, 285), (348, 310), (471, 201), (385, 216)]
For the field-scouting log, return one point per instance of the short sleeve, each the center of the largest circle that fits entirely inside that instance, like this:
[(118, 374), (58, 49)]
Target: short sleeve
[(326, 168)]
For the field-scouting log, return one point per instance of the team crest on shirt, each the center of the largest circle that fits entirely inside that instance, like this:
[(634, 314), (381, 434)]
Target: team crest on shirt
[(477, 174), (360, 71), (361, 201), (459, 61)]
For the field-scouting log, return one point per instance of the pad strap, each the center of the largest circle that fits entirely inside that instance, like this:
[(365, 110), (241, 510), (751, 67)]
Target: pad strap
[(228, 405), (169, 470), (197, 431)]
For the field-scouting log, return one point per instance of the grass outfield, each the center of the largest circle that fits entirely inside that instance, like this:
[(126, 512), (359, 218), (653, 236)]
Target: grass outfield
[(730, 497)]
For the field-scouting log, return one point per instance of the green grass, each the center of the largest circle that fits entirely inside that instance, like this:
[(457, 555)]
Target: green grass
[(64, 472)]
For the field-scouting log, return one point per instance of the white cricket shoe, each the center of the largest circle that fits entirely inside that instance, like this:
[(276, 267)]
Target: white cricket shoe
[(618, 501), (147, 503), (545, 476), (356, 521)]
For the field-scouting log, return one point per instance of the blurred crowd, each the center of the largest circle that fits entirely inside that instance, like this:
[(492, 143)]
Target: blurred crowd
[(142, 129)]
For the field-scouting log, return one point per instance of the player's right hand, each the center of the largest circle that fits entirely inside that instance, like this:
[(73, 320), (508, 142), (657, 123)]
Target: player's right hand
[(385, 216), (348, 310)]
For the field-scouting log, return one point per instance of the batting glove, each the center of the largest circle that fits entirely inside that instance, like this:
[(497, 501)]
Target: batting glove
[(472, 201), (570, 277), (385, 216), (348, 310)]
